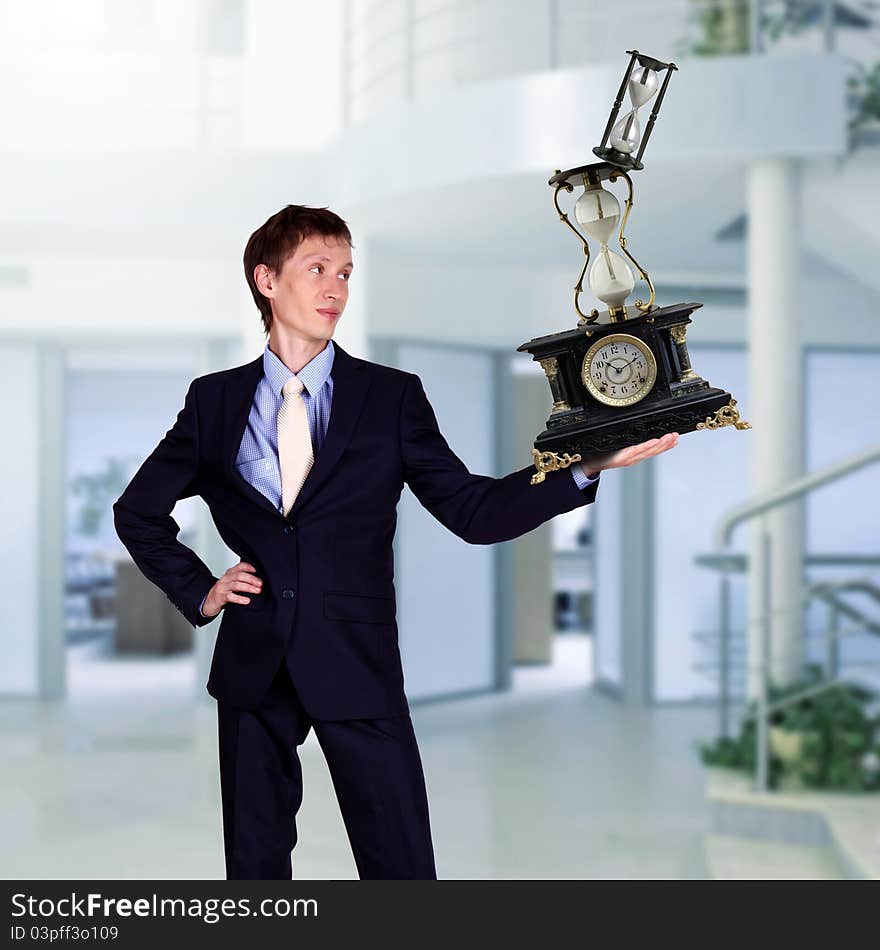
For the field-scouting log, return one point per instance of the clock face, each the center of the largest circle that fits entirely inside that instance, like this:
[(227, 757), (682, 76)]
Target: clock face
[(619, 369)]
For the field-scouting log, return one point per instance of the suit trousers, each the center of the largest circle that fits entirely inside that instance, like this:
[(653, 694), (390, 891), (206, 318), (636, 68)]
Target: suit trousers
[(376, 772)]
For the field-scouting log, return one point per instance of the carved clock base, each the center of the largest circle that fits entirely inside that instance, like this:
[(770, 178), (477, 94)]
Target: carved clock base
[(655, 390), (708, 409)]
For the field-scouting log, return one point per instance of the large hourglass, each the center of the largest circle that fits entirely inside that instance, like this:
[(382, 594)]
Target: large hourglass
[(597, 211)]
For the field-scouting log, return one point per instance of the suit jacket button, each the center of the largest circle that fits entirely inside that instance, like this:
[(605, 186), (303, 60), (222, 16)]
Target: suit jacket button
[(287, 593), (287, 529)]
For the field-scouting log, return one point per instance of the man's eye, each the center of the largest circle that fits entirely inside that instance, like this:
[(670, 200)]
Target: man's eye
[(316, 267), (344, 276)]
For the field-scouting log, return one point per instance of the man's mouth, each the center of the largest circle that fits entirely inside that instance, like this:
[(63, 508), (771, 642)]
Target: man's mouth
[(331, 314)]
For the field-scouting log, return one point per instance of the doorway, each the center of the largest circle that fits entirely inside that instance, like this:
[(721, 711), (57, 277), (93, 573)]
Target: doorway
[(552, 567), (120, 634)]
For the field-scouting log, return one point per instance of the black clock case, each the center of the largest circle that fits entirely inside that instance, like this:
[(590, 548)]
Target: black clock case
[(677, 402)]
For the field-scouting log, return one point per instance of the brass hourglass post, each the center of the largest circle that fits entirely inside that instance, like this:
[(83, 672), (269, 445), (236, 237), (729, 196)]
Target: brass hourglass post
[(579, 286), (669, 68), (644, 307)]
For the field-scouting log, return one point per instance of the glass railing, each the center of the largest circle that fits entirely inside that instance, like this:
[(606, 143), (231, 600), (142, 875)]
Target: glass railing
[(758, 660)]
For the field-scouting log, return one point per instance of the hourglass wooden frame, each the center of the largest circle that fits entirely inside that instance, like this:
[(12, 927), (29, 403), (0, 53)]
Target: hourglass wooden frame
[(607, 152)]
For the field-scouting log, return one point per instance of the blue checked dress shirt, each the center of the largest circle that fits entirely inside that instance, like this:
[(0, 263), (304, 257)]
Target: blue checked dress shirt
[(258, 455)]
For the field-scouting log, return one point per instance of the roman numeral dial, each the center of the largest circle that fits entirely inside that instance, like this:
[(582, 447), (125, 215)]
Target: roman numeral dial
[(619, 370)]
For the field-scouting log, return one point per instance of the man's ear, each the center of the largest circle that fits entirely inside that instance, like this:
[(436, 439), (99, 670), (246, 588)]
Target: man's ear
[(265, 280)]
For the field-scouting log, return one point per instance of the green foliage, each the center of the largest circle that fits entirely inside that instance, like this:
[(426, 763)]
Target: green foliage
[(791, 20), (722, 27), (840, 740), (864, 88), (719, 29)]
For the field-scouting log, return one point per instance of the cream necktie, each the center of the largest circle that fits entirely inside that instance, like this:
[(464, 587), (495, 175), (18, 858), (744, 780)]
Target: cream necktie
[(295, 454)]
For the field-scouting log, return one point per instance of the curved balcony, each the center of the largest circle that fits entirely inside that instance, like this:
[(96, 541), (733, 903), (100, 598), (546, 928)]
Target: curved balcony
[(398, 51)]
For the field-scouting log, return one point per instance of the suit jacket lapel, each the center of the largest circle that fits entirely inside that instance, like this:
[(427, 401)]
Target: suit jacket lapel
[(350, 385)]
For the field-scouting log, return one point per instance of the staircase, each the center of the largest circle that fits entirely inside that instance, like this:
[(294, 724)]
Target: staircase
[(796, 835)]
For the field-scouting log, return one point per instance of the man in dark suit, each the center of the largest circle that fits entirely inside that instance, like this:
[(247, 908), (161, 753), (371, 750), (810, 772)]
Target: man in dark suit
[(301, 456)]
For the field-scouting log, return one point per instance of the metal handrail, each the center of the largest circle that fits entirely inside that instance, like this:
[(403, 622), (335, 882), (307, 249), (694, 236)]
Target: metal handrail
[(757, 508), (832, 636), (796, 489), (805, 693), (824, 590), (850, 583), (847, 610)]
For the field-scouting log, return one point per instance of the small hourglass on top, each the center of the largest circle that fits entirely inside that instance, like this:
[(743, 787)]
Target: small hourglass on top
[(642, 80)]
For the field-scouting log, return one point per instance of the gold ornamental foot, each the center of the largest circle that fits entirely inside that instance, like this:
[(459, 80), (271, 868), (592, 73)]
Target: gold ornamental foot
[(549, 462), (725, 416)]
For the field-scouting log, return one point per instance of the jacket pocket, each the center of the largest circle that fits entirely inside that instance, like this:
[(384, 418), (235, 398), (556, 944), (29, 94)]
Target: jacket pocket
[(358, 608)]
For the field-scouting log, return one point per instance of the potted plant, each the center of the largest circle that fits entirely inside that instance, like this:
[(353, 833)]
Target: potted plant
[(722, 29), (864, 95), (825, 740)]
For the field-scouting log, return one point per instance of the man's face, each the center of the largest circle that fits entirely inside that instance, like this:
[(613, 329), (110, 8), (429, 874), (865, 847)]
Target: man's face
[(310, 293)]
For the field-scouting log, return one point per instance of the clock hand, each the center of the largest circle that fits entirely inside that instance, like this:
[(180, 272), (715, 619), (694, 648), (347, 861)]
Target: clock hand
[(620, 369)]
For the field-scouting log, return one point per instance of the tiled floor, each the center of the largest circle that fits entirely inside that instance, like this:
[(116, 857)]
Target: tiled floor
[(551, 780), (742, 859)]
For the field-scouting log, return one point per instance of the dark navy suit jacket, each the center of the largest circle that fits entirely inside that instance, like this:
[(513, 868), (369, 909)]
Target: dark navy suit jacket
[(328, 603)]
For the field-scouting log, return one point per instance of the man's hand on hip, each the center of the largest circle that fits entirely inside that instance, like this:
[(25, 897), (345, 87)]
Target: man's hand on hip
[(238, 578)]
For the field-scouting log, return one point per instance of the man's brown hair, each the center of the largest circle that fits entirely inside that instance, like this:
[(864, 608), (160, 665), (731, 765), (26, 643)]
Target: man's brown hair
[(273, 242)]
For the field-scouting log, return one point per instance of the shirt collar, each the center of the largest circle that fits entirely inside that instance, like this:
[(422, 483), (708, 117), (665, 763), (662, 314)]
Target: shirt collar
[(313, 375)]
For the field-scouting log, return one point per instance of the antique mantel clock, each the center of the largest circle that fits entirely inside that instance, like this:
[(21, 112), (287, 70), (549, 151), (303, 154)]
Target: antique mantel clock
[(623, 375)]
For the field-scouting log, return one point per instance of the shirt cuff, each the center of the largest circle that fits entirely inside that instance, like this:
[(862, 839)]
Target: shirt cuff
[(202, 604), (580, 476)]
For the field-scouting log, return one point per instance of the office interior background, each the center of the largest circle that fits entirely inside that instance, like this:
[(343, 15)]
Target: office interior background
[(561, 684)]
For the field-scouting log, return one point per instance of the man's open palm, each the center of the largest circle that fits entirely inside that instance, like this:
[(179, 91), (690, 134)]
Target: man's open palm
[(630, 455)]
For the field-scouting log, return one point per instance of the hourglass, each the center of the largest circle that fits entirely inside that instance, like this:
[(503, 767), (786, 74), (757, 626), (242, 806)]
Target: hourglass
[(642, 80), (623, 375), (597, 211)]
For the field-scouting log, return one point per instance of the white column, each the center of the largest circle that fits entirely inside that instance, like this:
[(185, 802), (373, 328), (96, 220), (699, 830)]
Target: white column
[(776, 409)]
